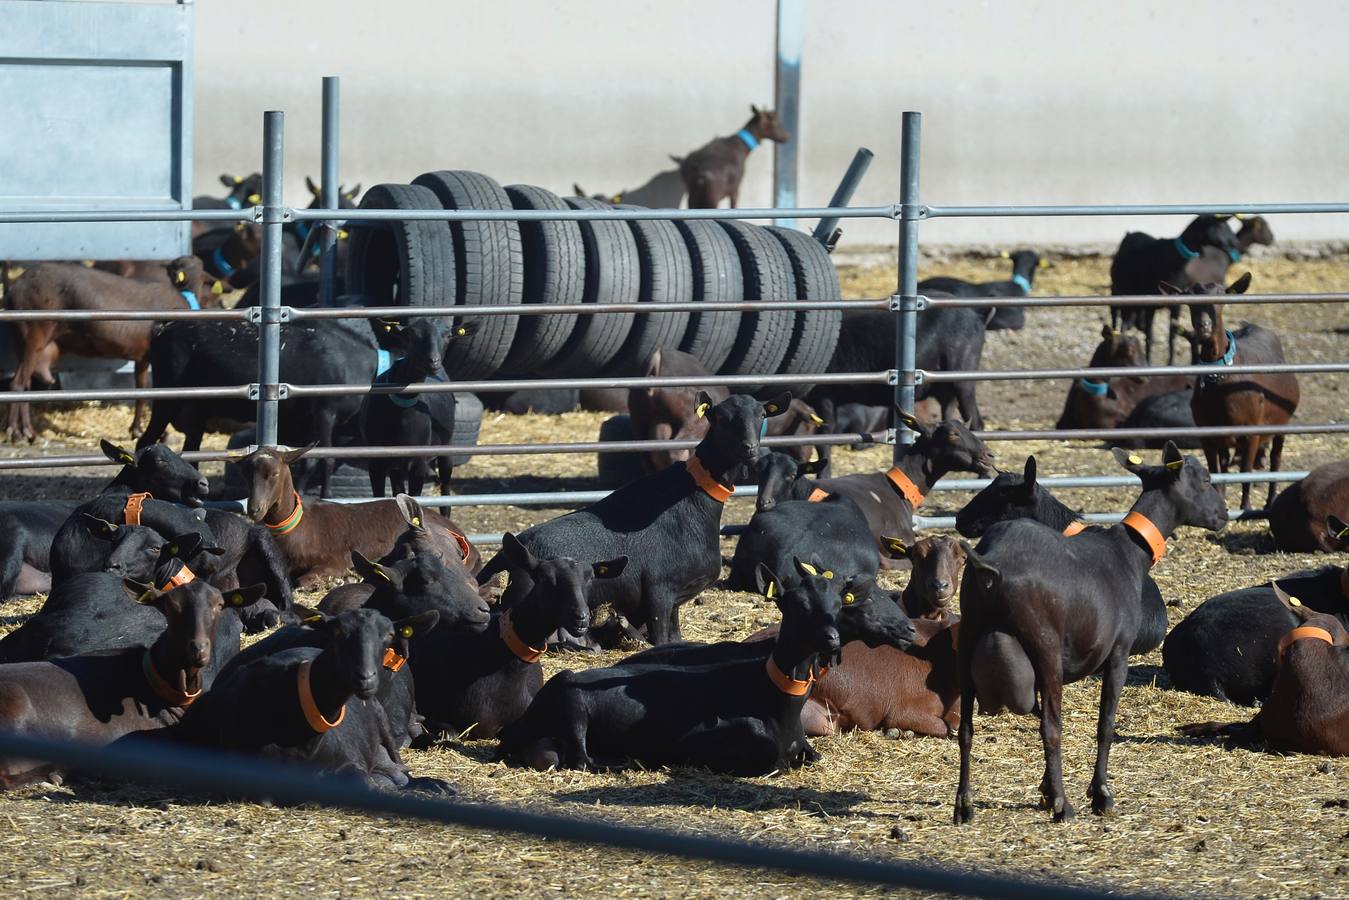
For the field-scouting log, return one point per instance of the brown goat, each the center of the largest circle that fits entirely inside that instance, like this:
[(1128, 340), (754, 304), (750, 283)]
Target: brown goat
[(1223, 400), (317, 538), (713, 172), (1297, 517), (937, 564), (97, 698), (669, 413), (49, 287), (1089, 406)]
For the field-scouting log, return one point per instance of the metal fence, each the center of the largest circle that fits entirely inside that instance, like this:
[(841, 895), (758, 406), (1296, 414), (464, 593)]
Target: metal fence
[(271, 317)]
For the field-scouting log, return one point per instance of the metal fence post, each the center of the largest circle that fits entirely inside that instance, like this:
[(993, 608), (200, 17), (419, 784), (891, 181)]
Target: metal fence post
[(269, 331), (861, 161), (329, 191), (787, 102), (906, 330)]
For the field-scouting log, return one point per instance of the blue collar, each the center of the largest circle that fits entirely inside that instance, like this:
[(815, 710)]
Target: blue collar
[(191, 299), (1234, 255), (383, 364), (233, 202), (1228, 357), (763, 428), (406, 401), (1021, 281), (1185, 252), (222, 264), (1092, 389), (749, 140)]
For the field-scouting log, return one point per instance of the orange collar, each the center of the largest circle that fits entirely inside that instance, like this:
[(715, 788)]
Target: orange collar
[(393, 660), (309, 707), (817, 494), (287, 525), (709, 485), (1142, 526), (786, 683), (163, 690), (1303, 632), (132, 510), (183, 576), (464, 547), (523, 651), (1074, 527), (905, 486)]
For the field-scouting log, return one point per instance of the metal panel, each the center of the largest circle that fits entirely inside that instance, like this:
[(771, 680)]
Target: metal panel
[(99, 116)]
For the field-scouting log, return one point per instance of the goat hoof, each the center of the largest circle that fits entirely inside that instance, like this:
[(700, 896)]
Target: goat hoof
[(1102, 803), (1063, 810), (964, 811), (436, 787)]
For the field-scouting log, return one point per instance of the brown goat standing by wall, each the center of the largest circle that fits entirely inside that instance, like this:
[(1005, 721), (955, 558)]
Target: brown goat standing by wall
[(65, 286), (1221, 400), (713, 171)]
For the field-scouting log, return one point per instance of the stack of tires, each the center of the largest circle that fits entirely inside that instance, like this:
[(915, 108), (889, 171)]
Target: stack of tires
[(506, 263)]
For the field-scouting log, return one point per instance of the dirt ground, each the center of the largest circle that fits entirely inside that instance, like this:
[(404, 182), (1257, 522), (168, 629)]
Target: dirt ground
[(1194, 818)]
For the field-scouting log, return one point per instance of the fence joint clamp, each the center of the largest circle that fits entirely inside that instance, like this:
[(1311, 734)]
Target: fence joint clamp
[(256, 314), (267, 392)]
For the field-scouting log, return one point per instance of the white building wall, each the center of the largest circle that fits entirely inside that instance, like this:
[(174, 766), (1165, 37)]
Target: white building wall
[(1059, 101)]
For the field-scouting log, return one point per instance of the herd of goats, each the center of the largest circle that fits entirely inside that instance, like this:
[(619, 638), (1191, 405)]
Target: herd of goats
[(149, 591)]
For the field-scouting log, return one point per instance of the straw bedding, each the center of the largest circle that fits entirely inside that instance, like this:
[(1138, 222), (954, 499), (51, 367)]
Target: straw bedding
[(1193, 817)]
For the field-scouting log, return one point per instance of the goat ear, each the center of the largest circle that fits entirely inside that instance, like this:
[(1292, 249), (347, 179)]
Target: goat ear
[(240, 598), (230, 181), (754, 109), (779, 404), (351, 194), (965, 550), (96, 526), (517, 552), (372, 572), (610, 568), (1028, 474), (766, 582), (290, 456), (1222, 217), (1241, 285), (184, 547), (986, 576), (1294, 605), (911, 423), (140, 591), (415, 625), (809, 467), (1172, 458), (577, 190), (308, 615), (309, 183), (704, 400), (116, 453), (411, 511), (653, 364), (1167, 287), (1337, 528), (1131, 461), (896, 547)]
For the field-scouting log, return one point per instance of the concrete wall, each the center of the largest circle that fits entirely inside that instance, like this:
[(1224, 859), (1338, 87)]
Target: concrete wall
[(1035, 101)]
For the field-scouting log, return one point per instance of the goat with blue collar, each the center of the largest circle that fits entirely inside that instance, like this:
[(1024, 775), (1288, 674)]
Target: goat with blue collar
[(1143, 262), (1024, 264), (713, 171)]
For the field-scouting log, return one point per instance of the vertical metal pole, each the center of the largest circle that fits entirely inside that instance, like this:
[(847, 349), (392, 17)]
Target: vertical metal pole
[(906, 331), (269, 331), (843, 194), (328, 191), (787, 102)]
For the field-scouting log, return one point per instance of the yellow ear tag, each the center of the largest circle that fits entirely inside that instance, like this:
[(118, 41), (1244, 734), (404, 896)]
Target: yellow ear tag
[(770, 590), (600, 570), (1343, 534), (848, 598), (343, 234), (313, 620), (816, 419), (897, 546), (702, 409), (180, 277), (238, 179), (772, 408), (145, 597), (1240, 217), (406, 631), (236, 599), (379, 570), (218, 287), (109, 529), (127, 459), (1004, 255), (618, 198), (827, 574), (461, 331), (388, 327), (173, 551), (417, 521), (1293, 601), (254, 199), (809, 568), (1135, 459), (1043, 264), (1175, 464)]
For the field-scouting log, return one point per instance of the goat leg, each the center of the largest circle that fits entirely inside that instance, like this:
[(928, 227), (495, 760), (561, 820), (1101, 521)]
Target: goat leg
[(1275, 457), (1051, 734), (1112, 684), (964, 812), (142, 381)]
